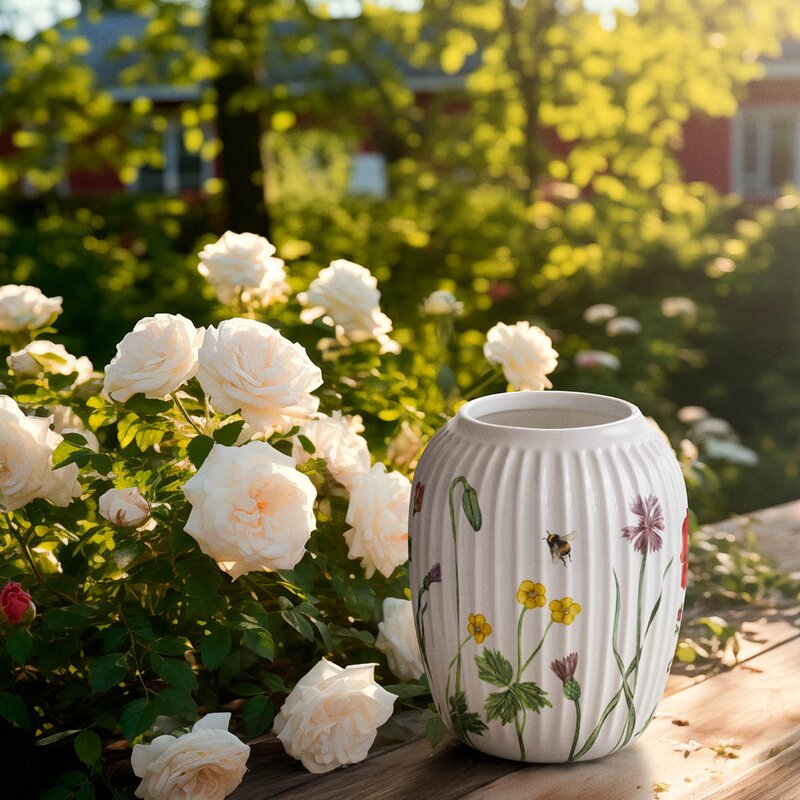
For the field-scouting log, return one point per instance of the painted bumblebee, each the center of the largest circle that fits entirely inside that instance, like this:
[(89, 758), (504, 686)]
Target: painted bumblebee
[(560, 546)]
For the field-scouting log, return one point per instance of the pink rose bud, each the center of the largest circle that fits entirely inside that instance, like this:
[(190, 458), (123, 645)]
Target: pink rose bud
[(17, 604)]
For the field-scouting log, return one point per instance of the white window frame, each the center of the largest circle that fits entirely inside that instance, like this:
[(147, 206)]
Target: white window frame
[(757, 184), (171, 184)]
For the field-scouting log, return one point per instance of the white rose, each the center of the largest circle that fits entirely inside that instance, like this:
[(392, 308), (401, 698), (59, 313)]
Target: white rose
[(688, 415), (156, 358), (397, 637), (65, 420), (42, 355), (206, 764), (26, 457), (244, 262), (524, 351), (623, 326), (588, 359), (344, 451), (711, 426), (346, 295), (601, 312), (404, 448), (251, 509), (25, 308), (332, 715), (378, 520), (247, 366), (441, 303), (124, 507), (678, 307)]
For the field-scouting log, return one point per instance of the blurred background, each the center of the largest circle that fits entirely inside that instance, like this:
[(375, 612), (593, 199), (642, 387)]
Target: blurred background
[(620, 173)]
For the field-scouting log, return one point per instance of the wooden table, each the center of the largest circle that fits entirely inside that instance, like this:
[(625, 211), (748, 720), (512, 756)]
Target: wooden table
[(744, 722)]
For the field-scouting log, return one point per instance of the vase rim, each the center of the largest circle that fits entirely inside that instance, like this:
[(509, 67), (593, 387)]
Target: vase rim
[(528, 415)]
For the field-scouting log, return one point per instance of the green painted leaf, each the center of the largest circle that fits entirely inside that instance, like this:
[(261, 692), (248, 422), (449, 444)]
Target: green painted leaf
[(502, 705), (136, 718), (472, 510), (463, 720), (257, 715), (494, 668), (532, 696), (214, 647), (107, 671), (198, 449), (88, 747), (228, 434)]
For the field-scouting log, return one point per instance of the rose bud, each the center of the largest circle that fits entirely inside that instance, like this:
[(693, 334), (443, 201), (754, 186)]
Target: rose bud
[(17, 604), (125, 507)]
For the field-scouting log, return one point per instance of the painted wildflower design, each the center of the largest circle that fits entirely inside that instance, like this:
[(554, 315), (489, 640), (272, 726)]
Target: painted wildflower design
[(645, 533), (419, 493), (478, 627), (531, 595), (564, 670), (564, 611), (685, 550), (434, 575)]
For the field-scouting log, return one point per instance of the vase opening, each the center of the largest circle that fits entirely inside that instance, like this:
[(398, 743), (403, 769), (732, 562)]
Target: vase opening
[(548, 410)]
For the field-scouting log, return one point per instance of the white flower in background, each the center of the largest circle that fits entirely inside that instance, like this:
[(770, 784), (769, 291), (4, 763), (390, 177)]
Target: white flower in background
[(65, 420), (332, 715), (251, 509), (42, 355), (156, 358), (124, 507), (346, 296), (26, 457), (336, 440), (206, 764), (378, 520), (688, 415), (623, 326), (711, 426), (247, 366), (601, 312), (678, 307), (244, 262), (404, 448), (589, 359), (442, 303), (525, 353), (25, 308), (728, 450), (46, 560), (398, 639), (689, 450)]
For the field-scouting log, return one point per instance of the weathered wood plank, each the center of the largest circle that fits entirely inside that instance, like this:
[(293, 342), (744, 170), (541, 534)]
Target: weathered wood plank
[(757, 705), (776, 779)]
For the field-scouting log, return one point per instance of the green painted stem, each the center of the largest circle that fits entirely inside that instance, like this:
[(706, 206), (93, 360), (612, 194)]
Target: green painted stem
[(577, 729), (538, 648), (639, 619), (456, 481)]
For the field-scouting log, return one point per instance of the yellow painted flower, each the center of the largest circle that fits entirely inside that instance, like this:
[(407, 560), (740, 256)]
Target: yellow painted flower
[(564, 610), (478, 627), (531, 595)]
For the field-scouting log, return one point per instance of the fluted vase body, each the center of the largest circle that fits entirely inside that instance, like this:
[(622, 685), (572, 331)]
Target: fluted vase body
[(548, 539)]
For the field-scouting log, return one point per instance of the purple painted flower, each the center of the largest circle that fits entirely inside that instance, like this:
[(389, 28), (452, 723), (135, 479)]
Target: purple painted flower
[(644, 534), (564, 668), (434, 576)]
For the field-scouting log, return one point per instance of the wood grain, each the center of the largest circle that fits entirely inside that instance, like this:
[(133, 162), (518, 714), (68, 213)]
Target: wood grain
[(776, 779)]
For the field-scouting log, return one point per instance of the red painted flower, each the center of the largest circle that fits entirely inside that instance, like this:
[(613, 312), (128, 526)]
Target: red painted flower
[(419, 491), (16, 603), (685, 550)]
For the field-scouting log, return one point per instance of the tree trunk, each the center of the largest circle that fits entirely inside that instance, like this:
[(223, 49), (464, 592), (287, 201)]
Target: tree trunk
[(240, 130)]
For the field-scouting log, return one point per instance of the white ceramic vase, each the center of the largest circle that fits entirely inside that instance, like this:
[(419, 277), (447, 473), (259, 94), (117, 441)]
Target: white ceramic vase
[(548, 569)]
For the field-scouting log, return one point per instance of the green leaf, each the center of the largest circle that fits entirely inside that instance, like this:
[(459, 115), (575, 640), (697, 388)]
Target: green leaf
[(214, 647), (176, 673), (127, 428), (61, 619), (19, 645), (145, 407), (136, 718), (71, 451), (502, 705), (13, 709), (435, 730), (107, 671), (275, 683), (198, 449), (260, 642), (407, 689), (472, 510), (175, 703), (56, 737), (257, 715), (494, 668), (56, 793), (170, 646), (307, 444), (85, 792), (88, 747), (299, 623), (146, 437), (228, 434), (532, 696)]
